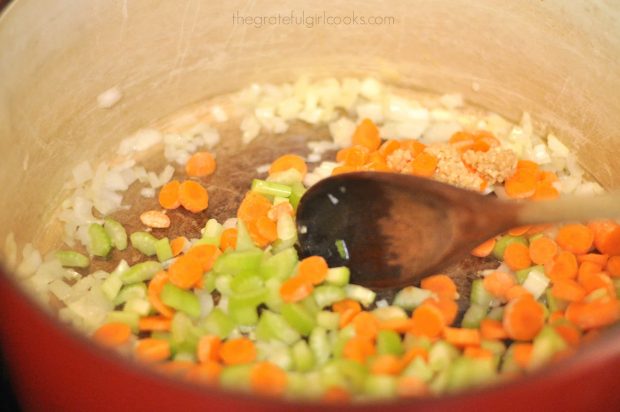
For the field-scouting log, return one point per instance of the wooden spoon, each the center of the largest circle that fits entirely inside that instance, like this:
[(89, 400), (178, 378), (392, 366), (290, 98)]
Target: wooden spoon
[(395, 229)]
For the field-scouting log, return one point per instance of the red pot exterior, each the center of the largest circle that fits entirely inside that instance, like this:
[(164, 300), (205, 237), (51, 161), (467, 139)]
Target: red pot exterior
[(55, 369)]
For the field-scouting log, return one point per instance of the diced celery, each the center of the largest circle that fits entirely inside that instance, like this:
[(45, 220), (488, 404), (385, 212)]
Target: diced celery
[(479, 295), (180, 299), (466, 372), (441, 355), (389, 343), (286, 228), (303, 358), (208, 282), (536, 283), (509, 365), (273, 299), (361, 294), (326, 295), (276, 352), (521, 275), (439, 384), (380, 386), (242, 306), (236, 377), (554, 303), (99, 241), (279, 245), (222, 283), (389, 313), (112, 285), (298, 317), (184, 357), (338, 276), (140, 306), (129, 318), (546, 344), (297, 191), (342, 337), (310, 305), (279, 327), (495, 346), (502, 243), (320, 345), (217, 323), (473, 316), (234, 263), (412, 341), (163, 249), (72, 259), (411, 297), (342, 249), (496, 313), (140, 272), (183, 332), (246, 282), (116, 232), (212, 232), (136, 290), (350, 373), (144, 242), (420, 369), (244, 240), (271, 188), (328, 320)]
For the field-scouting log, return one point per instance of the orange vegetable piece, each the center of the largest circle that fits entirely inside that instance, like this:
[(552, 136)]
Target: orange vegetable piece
[(208, 348), (313, 269), (400, 325), (206, 254), (527, 165), (521, 185), (267, 229), (462, 337), (613, 266), (336, 394), (253, 206), (545, 191), (185, 271), (228, 240), (268, 379), (606, 236), (424, 164), (177, 244), (193, 196), (448, 307), (484, 249), (200, 164), (347, 304), (522, 353), (562, 266), (367, 134), (343, 169), (442, 285), (519, 231), (497, 283), (366, 324), (477, 352), (598, 281), (413, 146), (237, 351), (289, 161), (461, 136), (154, 323), (169, 195), (206, 373), (568, 289), (587, 269), (295, 289), (594, 258), (492, 329), (517, 256), (596, 314), (156, 284), (427, 320), (113, 334), (523, 318), (568, 332), (386, 365), (358, 348), (152, 350), (542, 250), (389, 147), (411, 387), (516, 291), (414, 352), (354, 156), (576, 238)]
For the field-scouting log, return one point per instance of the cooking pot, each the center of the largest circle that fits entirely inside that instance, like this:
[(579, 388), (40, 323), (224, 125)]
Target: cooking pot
[(558, 60)]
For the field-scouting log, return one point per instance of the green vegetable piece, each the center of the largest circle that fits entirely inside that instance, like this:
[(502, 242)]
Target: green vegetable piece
[(502, 243), (180, 299), (280, 329), (420, 369), (361, 294), (235, 263), (326, 295), (242, 307), (236, 377), (441, 355), (141, 306), (473, 316), (212, 233), (244, 240), (380, 386), (144, 242), (297, 191), (222, 284), (274, 299), (184, 335), (218, 323), (141, 272), (71, 259), (389, 343), (341, 248), (344, 372), (112, 285), (303, 358), (286, 229), (339, 276), (319, 343), (546, 344), (466, 372), (328, 320), (131, 319), (137, 290), (411, 297), (271, 188), (246, 282), (496, 313), (479, 295), (116, 232), (99, 241), (342, 337), (163, 249), (298, 317), (522, 274), (495, 346)]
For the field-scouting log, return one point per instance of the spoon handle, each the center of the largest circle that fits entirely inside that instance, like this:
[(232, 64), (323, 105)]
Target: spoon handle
[(571, 208)]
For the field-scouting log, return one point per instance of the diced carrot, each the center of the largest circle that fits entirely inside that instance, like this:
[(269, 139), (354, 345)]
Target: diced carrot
[(413, 146), (237, 351), (606, 236), (594, 258), (354, 156), (206, 373), (289, 161), (313, 269), (542, 250), (568, 332), (366, 324), (185, 271), (484, 249), (269, 379), (522, 353), (206, 254), (386, 365), (156, 284), (523, 318), (169, 195), (267, 229), (389, 147), (154, 323), (152, 350), (515, 292), (258, 239), (575, 238), (568, 289), (477, 352), (193, 196), (346, 304), (519, 231), (400, 325), (556, 316), (521, 184), (112, 334), (424, 164), (208, 348), (343, 169), (598, 281), (414, 352), (545, 191), (295, 289), (177, 245), (358, 348), (253, 206), (527, 165), (492, 329), (200, 164), (596, 314), (441, 285), (367, 134), (517, 256), (462, 337), (336, 394), (535, 229), (228, 240), (562, 266), (587, 269), (427, 320), (448, 307), (411, 387), (497, 283), (613, 266)]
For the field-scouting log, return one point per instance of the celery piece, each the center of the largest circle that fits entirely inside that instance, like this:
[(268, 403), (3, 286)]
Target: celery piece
[(141, 306), (479, 295), (320, 345), (163, 249), (297, 191), (141, 272), (246, 282), (441, 355), (361, 294), (263, 331), (466, 372), (411, 341), (554, 303), (276, 352), (242, 311), (144, 242), (212, 232), (342, 249), (236, 377), (439, 383), (411, 297), (222, 284), (271, 188), (274, 299), (183, 334), (342, 337), (310, 305), (279, 327), (389, 343), (218, 323), (184, 357), (546, 344), (349, 372), (380, 386), (521, 275), (473, 316), (72, 259), (496, 313), (338, 276), (495, 346), (136, 290), (129, 318), (99, 242), (298, 317), (303, 358), (502, 243), (328, 320), (509, 365), (244, 240), (419, 369), (536, 283), (279, 245), (326, 295), (234, 263), (286, 228), (249, 298), (180, 299), (389, 313), (208, 282), (116, 232), (112, 285)]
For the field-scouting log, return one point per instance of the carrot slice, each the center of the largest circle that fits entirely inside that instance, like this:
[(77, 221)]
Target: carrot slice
[(575, 238), (267, 229), (521, 185), (413, 146), (389, 147), (448, 307), (527, 165), (206, 373), (497, 283), (200, 164), (185, 271), (208, 348), (253, 206), (545, 191), (152, 350), (562, 266), (414, 352), (169, 195), (343, 169), (411, 387), (206, 254), (568, 332), (289, 161), (366, 324), (237, 351), (598, 281), (492, 329), (515, 292), (400, 325), (156, 284), (228, 240), (523, 318), (268, 379), (462, 337), (606, 236), (177, 245), (113, 334), (519, 231), (596, 314), (313, 269), (484, 249), (424, 164), (587, 269), (522, 353), (594, 258), (477, 352), (386, 365), (295, 289), (193, 196), (517, 256), (427, 320), (367, 134), (442, 285), (154, 323), (568, 289), (358, 348), (613, 266), (354, 156), (542, 250)]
